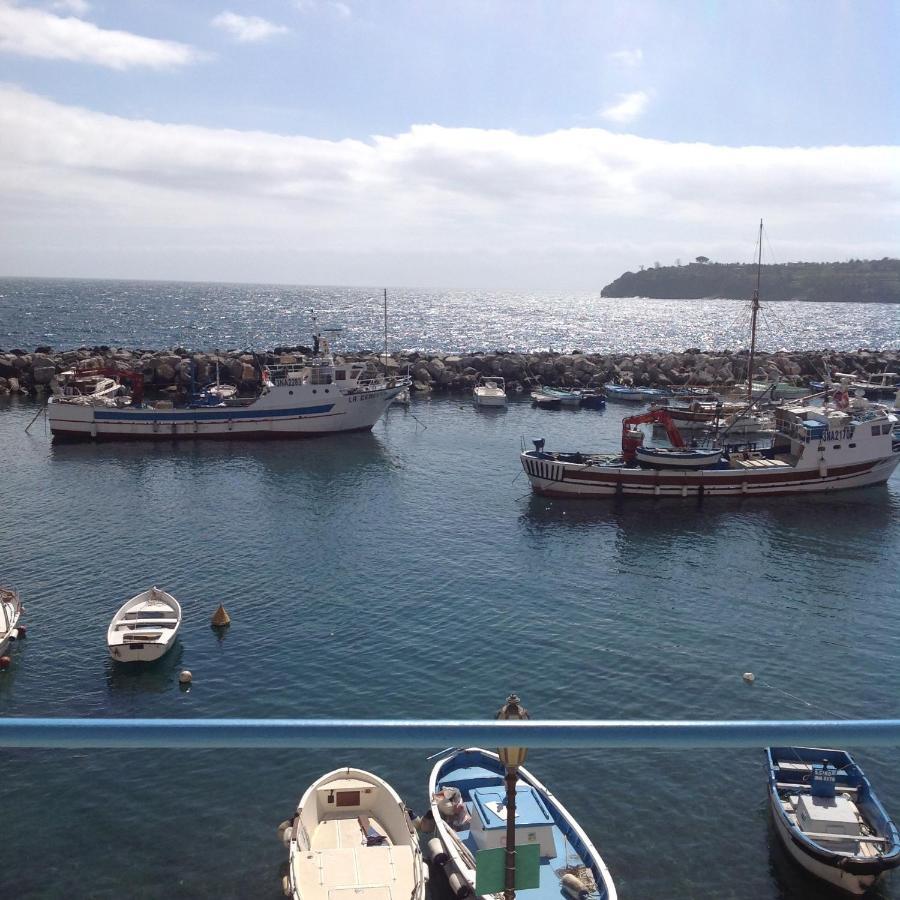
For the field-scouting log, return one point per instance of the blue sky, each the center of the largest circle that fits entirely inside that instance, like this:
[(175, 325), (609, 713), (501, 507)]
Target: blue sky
[(492, 144)]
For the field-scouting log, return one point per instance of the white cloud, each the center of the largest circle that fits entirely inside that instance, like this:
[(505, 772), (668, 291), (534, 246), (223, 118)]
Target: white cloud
[(76, 7), (247, 29), (34, 32), (460, 206), (628, 108), (340, 9), (628, 59)]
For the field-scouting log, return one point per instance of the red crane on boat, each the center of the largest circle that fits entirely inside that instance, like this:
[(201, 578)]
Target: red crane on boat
[(633, 437)]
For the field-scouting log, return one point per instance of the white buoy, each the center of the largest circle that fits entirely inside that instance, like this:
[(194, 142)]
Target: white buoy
[(185, 677), (749, 677)]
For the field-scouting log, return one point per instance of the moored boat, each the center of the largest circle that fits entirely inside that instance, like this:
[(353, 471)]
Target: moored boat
[(813, 449), (144, 628), (489, 390), (828, 817), (630, 394), (10, 614), (316, 398), (468, 807), (544, 400), (566, 397), (593, 399), (677, 457), (352, 836)]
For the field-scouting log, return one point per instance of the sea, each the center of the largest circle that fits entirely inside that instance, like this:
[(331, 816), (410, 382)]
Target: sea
[(410, 573)]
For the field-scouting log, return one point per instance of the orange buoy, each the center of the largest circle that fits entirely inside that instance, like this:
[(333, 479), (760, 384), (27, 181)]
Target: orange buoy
[(220, 618), (4, 663)]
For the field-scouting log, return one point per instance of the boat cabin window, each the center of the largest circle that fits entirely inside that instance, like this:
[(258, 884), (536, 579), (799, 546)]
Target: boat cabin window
[(348, 798), (836, 447), (876, 430), (340, 375), (886, 429), (851, 446)]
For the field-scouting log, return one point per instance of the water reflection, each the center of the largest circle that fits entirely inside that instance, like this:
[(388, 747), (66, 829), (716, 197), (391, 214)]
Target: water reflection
[(124, 680)]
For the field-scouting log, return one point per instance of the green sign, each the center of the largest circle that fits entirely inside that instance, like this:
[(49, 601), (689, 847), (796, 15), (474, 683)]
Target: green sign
[(490, 869)]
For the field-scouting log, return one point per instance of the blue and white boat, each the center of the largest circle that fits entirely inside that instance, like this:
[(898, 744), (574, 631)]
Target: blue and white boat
[(468, 793), (566, 398), (630, 394), (828, 817), (686, 458), (319, 397)]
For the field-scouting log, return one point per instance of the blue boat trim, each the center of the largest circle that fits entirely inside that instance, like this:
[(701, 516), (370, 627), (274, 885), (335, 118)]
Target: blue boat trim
[(233, 414)]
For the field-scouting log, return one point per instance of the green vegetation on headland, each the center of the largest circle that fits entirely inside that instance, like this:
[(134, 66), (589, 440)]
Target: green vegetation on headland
[(860, 281)]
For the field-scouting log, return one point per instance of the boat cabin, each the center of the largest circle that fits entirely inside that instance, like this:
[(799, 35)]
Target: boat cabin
[(534, 825)]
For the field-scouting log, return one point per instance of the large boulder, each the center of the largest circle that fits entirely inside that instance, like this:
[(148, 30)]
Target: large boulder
[(43, 374)]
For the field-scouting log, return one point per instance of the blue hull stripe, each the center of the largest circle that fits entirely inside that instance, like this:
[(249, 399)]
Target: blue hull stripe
[(207, 415)]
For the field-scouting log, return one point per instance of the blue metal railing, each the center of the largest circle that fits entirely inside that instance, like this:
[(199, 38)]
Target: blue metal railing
[(399, 733)]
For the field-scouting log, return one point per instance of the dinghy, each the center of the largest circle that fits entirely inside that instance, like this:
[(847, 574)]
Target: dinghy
[(828, 817), (352, 836), (144, 628), (468, 796)]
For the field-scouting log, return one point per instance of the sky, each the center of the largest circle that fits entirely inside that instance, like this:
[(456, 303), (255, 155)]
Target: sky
[(499, 144)]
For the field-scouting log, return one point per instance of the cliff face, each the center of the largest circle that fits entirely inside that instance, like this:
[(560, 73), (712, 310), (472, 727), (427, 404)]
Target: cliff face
[(862, 281)]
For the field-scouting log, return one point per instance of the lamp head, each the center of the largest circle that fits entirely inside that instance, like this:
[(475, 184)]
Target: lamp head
[(512, 710)]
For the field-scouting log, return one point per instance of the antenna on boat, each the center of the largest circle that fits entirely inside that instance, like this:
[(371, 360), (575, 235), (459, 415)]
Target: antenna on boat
[(385, 333), (754, 309)]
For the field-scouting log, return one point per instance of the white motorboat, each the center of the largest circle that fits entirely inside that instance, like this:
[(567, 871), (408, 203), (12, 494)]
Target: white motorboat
[(352, 836), (144, 629), (10, 613), (490, 390), (468, 807)]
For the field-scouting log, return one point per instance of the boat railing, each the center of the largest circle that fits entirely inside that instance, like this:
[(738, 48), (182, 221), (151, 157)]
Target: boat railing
[(78, 733)]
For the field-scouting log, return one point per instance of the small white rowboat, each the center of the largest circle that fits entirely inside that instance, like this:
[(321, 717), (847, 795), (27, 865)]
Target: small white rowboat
[(144, 628)]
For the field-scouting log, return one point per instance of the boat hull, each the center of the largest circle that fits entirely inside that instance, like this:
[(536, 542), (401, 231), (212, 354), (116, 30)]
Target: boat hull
[(141, 652), (551, 478), (490, 400), (263, 419), (853, 884)]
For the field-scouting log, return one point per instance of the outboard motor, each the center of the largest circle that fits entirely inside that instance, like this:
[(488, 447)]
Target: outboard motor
[(539, 445)]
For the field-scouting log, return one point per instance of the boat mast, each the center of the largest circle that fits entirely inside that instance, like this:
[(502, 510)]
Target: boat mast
[(754, 309), (385, 332)]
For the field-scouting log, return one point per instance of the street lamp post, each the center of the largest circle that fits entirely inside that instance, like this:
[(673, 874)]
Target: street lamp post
[(512, 758)]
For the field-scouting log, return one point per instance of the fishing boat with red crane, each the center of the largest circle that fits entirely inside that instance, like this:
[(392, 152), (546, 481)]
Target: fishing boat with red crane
[(844, 443)]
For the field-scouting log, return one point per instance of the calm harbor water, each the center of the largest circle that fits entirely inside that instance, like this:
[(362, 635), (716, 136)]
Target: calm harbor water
[(409, 572)]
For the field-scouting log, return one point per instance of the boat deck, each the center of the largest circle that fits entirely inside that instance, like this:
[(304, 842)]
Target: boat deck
[(565, 858), (340, 864)]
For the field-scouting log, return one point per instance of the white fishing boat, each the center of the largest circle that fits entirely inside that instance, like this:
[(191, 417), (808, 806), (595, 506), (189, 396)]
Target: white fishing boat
[(468, 808), (10, 614), (145, 627), (297, 400), (489, 390), (352, 836)]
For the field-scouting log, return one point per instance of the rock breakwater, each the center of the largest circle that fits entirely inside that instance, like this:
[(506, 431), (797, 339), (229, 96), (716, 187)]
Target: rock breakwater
[(172, 370)]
